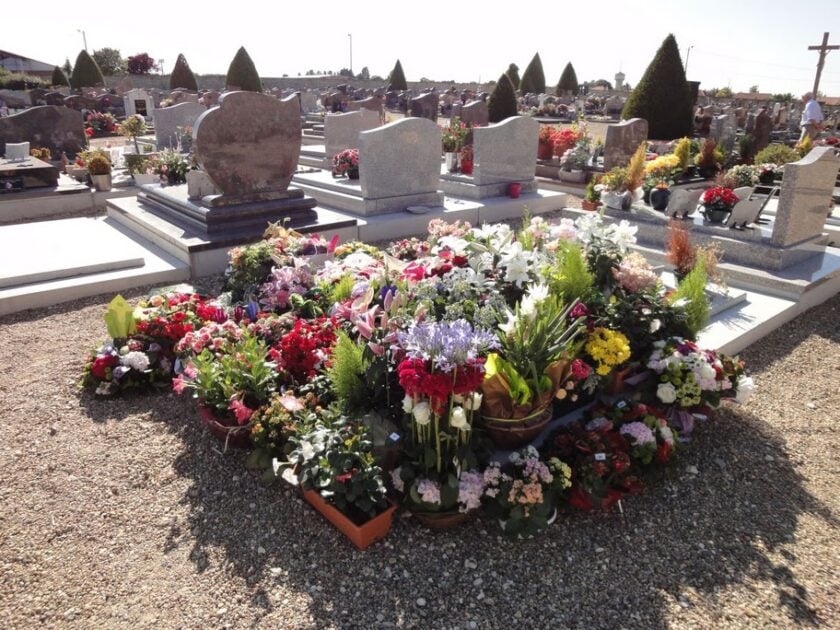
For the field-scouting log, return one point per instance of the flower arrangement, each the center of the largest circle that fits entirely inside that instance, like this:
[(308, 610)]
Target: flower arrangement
[(346, 162), (138, 363), (608, 348), (524, 492), (42, 153), (744, 175), (719, 198), (567, 138), (101, 122), (99, 165), (171, 167), (132, 127), (454, 135), (576, 158)]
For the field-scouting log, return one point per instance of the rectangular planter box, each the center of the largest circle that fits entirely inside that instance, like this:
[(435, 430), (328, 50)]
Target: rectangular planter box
[(360, 535)]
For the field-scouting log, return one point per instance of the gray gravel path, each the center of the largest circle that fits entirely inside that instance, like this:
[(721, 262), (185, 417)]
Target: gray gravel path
[(123, 514)]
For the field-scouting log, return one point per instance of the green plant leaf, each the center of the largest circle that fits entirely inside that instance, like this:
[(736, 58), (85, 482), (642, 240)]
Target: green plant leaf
[(119, 318)]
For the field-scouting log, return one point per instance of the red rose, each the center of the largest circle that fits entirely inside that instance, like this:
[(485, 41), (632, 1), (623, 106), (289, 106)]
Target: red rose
[(100, 366), (663, 452)]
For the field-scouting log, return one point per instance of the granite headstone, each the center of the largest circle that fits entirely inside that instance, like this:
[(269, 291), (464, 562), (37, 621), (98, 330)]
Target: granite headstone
[(341, 131), (475, 114), (505, 152), (168, 119), (622, 141), (425, 106), (59, 129)]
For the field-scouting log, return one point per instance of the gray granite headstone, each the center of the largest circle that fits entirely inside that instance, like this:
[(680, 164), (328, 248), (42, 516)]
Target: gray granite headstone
[(622, 141), (139, 101), (762, 129), (308, 102), (805, 197), (400, 158), (341, 131), (475, 114), (210, 98), (80, 102), (58, 128), (505, 152), (54, 98), (168, 119), (36, 96), (425, 106), (182, 96), (613, 105), (373, 103)]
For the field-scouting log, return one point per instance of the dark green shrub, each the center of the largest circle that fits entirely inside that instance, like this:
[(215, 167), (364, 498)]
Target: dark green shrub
[(59, 78), (568, 84), (86, 73), (396, 80), (242, 73), (182, 77), (663, 97), (776, 154), (533, 79), (15, 81), (513, 75), (502, 102)]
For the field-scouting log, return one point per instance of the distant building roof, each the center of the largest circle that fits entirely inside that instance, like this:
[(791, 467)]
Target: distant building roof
[(753, 96), (831, 101), (18, 63)]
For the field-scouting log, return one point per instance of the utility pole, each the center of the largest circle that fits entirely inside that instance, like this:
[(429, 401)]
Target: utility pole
[(84, 37), (824, 48), (687, 53), (350, 35)]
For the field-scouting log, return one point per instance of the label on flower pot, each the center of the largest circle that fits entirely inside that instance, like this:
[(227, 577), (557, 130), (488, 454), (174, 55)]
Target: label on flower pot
[(600, 457)]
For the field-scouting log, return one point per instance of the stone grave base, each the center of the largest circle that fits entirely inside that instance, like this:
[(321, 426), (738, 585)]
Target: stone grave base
[(68, 259), (346, 195), (204, 253), (314, 156), (26, 174), (464, 186)]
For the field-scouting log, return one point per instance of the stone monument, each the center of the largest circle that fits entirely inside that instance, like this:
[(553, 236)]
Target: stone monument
[(622, 141), (59, 129)]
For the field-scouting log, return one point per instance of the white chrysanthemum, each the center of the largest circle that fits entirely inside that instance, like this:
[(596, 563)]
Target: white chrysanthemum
[(666, 392), (422, 413), (458, 418), (136, 361)]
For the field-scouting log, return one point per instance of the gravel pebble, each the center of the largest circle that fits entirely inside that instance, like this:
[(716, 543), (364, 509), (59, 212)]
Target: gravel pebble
[(125, 514)]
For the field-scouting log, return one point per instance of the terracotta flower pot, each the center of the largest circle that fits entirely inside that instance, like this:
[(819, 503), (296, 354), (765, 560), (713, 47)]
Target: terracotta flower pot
[(590, 205), (617, 386), (233, 437), (360, 535), (514, 432)]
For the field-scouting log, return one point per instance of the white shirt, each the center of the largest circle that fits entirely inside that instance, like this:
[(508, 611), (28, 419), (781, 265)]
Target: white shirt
[(811, 112)]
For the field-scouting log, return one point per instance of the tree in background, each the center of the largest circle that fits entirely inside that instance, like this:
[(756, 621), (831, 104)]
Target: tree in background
[(502, 102), (533, 79), (364, 75), (513, 75), (242, 73), (59, 78), (346, 72), (182, 77), (86, 72), (67, 68), (753, 89), (141, 63), (568, 84), (110, 61), (662, 96), (396, 79)]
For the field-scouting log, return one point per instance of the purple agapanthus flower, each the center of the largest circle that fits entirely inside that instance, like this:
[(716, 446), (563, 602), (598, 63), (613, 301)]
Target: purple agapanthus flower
[(447, 344)]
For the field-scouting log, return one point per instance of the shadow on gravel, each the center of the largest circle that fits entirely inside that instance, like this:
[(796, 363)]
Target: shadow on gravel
[(686, 539)]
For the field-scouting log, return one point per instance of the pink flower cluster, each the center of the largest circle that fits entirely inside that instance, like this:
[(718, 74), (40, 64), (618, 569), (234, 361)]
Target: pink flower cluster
[(634, 274), (284, 282), (213, 336)]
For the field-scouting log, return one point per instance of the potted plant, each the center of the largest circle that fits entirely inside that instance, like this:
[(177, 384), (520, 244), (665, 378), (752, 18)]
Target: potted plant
[(171, 167), (523, 493), (709, 159), (466, 159), (592, 196), (334, 466), (679, 251), (536, 346), (545, 146), (574, 162), (718, 202), (346, 163), (99, 168), (132, 127), (614, 187), (41, 153), (452, 139), (230, 382)]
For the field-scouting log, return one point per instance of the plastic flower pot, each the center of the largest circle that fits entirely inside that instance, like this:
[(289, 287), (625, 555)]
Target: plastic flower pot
[(466, 166), (715, 216), (514, 190), (545, 150), (362, 536)]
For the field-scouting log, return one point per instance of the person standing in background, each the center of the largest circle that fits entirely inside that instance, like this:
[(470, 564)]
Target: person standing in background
[(812, 117)]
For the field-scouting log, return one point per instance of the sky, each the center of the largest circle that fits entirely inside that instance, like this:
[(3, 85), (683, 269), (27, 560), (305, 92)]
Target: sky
[(727, 43)]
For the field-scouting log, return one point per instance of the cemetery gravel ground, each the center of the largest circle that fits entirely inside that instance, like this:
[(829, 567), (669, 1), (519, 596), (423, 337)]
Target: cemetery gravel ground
[(124, 514)]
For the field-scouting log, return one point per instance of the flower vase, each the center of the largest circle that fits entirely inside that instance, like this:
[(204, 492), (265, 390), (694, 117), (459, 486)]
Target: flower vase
[(230, 436), (466, 166), (102, 183), (362, 536), (545, 150), (714, 215), (514, 189), (659, 198), (450, 161)]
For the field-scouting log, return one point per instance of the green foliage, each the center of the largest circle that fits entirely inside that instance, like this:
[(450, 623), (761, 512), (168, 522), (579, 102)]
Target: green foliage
[(347, 374), (568, 83), (513, 74), (250, 266), (66, 67), (787, 97), (693, 290), (570, 276), (662, 97), (17, 81), (242, 73), (341, 290), (533, 79), (86, 72), (683, 152), (182, 77), (99, 165), (59, 78), (109, 60), (396, 79), (746, 147), (502, 102), (776, 154)]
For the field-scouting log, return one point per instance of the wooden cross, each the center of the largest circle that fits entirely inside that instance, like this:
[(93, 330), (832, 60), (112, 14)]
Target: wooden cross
[(823, 48)]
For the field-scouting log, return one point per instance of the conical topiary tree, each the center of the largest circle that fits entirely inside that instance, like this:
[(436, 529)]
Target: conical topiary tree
[(396, 80), (86, 73), (502, 102), (513, 75), (58, 77), (242, 73), (568, 84), (662, 96), (533, 79), (182, 77)]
